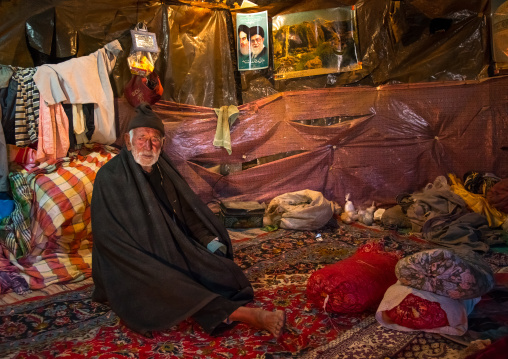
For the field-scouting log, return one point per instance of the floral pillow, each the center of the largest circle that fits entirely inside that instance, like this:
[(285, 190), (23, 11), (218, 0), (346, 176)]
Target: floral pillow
[(454, 274)]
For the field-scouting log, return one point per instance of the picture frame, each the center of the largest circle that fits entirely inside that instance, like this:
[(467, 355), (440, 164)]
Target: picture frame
[(315, 43)]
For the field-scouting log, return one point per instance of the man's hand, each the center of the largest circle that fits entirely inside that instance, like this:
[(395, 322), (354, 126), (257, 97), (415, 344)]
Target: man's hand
[(217, 247)]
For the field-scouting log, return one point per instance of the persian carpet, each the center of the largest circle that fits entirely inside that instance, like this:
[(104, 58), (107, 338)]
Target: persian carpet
[(278, 264)]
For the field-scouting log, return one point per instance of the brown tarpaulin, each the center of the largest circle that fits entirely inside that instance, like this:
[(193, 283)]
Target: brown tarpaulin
[(415, 42), (401, 137)]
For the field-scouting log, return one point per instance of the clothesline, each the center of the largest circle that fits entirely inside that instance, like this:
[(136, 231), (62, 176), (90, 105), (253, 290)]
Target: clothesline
[(52, 107)]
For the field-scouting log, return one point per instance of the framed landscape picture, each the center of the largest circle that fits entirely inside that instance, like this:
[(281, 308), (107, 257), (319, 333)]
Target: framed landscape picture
[(315, 42)]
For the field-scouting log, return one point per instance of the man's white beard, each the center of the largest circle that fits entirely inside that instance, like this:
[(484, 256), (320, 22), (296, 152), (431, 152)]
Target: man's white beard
[(144, 161), (244, 50), (257, 51)]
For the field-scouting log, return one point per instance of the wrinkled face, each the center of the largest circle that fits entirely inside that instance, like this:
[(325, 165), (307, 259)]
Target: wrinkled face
[(244, 43), (256, 42), (145, 143)]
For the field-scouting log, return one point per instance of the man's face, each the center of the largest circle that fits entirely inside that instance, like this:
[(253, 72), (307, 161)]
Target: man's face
[(145, 145), (244, 43), (256, 42)]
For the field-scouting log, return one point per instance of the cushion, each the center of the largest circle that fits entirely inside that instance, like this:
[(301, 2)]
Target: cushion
[(407, 309), (418, 313), (451, 273), (354, 284)]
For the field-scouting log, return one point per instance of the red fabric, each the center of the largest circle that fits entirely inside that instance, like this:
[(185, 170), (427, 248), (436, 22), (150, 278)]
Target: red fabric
[(418, 313), (21, 155), (354, 284), (497, 196), (136, 91), (496, 350)]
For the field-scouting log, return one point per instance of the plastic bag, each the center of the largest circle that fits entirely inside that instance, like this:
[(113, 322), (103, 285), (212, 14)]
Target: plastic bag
[(144, 51), (306, 210), (142, 89)]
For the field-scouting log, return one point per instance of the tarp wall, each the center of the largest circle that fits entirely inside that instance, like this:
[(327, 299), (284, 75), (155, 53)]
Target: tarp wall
[(392, 139), (418, 107), (399, 42)]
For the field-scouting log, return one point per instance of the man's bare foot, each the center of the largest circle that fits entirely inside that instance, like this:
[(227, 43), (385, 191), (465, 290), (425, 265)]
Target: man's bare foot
[(273, 322)]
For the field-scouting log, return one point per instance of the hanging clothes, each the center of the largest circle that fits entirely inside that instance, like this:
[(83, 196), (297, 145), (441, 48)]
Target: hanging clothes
[(5, 76), (8, 99), (26, 126), (226, 117), (84, 80), (86, 111), (53, 132), (4, 163)]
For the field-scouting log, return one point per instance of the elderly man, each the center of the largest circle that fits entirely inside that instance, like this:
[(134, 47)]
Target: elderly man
[(243, 39), (243, 48), (160, 255), (257, 44)]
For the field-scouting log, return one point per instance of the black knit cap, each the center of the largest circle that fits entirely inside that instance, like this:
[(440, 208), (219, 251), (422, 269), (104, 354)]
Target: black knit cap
[(257, 30), (145, 117)]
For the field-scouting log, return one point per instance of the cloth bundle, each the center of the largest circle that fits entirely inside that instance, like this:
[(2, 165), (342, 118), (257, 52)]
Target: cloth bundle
[(479, 183), (355, 284), (436, 199), (305, 210), (478, 203)]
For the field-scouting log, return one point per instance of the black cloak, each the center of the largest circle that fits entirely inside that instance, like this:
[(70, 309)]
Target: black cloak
[(152, 274)]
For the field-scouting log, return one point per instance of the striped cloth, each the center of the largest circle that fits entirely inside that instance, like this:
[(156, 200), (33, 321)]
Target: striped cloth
[(15, 229), (60, 246), (26, 125)]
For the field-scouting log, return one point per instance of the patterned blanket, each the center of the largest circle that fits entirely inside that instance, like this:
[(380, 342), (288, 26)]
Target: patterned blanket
[(47, 239)]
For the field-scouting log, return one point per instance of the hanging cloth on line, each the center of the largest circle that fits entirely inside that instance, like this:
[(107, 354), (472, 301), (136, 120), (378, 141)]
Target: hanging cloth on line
[(27, 107), (226, 117)]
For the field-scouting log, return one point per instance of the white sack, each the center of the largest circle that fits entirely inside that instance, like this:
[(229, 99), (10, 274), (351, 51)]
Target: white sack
[(304, 210)]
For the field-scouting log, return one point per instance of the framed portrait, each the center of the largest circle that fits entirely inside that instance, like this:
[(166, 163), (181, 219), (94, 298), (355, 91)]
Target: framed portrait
[(499, 24), (252, 41), (315, 42)]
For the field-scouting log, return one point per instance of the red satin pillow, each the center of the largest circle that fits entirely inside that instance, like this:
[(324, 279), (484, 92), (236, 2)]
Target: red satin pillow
[(356, 283)]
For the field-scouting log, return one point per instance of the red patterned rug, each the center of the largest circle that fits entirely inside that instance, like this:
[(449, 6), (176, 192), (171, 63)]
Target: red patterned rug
[(278, 264)]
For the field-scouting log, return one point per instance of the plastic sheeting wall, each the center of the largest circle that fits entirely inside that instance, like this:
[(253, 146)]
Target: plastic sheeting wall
[(390, 139), (399, 42), (194, 64), (400, 138)]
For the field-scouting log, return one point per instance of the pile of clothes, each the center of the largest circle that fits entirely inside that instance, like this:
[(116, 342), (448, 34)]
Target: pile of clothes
[(453, 216)]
